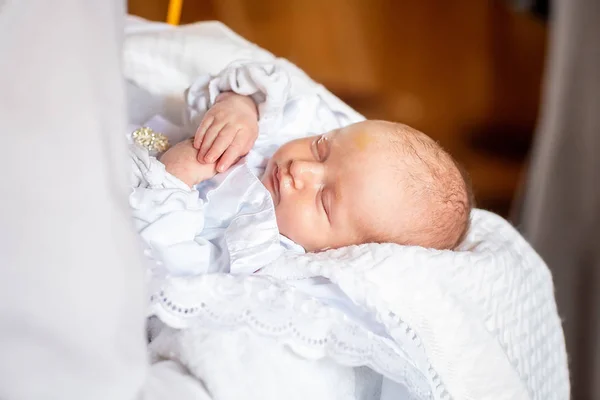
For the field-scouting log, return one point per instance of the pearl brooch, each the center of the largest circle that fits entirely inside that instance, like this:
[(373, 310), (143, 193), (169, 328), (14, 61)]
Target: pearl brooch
[(151, 140)]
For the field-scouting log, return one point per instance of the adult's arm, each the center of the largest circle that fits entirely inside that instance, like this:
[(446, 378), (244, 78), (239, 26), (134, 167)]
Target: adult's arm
[(71, 283)]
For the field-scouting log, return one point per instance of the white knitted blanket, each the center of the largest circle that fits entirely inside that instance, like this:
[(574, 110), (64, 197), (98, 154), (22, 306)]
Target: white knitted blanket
[(479, 323)]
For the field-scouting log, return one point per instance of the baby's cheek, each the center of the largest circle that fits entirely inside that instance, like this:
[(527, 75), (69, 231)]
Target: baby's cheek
[(299, 225), (285, 221)]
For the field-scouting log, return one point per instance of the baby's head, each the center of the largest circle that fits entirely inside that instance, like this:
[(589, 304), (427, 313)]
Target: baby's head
[(373, 181)]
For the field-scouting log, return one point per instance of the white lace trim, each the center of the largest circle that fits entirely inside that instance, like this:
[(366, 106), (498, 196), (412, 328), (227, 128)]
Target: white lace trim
[(360, 259), (269, 308)]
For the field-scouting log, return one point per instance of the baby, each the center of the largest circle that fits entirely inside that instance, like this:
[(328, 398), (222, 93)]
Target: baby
[(253, 183), (253, 186), (371, 181)]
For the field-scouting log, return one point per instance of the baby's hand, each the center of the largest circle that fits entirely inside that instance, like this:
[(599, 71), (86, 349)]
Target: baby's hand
[(181, 162), (227, 131)]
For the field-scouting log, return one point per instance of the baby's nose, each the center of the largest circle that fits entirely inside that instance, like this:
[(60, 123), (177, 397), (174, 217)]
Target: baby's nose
[(306, 173)]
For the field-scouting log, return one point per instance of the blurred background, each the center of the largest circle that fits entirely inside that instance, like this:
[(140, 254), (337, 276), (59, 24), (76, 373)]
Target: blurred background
[(466, 72), (475, 75)]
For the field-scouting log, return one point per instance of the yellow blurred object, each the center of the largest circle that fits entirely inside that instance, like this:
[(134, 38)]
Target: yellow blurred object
[(174, 12)]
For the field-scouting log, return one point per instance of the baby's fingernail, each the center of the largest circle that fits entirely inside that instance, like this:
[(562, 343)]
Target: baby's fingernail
[(221, 168)]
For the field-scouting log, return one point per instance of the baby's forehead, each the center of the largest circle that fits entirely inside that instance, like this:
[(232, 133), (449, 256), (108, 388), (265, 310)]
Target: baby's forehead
[(366, 139), (398, 145), (366, 153)]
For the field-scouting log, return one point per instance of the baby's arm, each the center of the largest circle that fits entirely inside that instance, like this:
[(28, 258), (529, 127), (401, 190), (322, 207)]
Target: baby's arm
[(168, 213), (181, 162)]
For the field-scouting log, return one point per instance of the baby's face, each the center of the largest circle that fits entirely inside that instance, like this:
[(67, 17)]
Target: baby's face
[(327, 189)]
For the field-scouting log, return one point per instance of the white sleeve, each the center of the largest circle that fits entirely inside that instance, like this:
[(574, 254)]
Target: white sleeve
[(169, 217), (71, 282), (290, 104)]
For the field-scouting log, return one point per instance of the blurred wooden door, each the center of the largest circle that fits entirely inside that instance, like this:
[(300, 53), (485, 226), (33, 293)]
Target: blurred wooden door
[(326, 38), (457, 70)]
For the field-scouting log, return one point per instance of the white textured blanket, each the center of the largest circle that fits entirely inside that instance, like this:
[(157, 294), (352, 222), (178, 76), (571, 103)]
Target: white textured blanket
[(480, 323)]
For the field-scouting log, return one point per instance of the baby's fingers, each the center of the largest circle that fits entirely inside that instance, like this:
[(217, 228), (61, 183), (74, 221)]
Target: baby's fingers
[(207, 121), (209, 138), (221, 143), (230, 157)]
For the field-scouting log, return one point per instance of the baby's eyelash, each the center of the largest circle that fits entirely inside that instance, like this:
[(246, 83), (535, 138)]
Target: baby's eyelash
[(318, 144), (322, 196), (315, 148)]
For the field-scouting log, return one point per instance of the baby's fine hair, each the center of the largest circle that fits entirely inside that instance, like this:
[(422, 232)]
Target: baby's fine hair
[(439, 187)]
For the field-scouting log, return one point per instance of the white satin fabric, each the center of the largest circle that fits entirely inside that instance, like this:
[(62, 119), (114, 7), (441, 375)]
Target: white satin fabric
[(227, 224)]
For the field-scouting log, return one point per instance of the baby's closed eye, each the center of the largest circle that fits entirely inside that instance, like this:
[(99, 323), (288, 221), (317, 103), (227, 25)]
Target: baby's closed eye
[(321, 148)]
